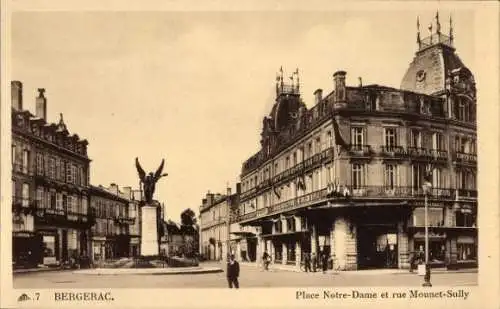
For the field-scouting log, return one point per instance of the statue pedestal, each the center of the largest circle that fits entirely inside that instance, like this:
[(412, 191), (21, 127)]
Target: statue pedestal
[(149, 231)]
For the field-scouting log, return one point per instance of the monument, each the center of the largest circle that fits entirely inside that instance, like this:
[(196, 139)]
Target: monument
[(149, 210)]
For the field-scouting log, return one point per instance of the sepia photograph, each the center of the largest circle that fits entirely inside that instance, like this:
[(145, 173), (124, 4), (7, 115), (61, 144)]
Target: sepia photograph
[(244, 149)]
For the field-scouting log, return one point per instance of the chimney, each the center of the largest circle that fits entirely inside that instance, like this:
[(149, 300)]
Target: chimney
[(41, 104), (318, 96), (210, 198), (339, 86), (360, 81), (127, 192), (228, 191), (16, 94), (114, 188)]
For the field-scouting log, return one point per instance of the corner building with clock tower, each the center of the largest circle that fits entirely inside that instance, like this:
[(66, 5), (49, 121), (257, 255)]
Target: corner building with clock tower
[(346, 177)]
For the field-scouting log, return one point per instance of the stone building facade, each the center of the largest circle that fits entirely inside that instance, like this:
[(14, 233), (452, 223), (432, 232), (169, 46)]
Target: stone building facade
[(50, 183), (111, 236), (215, 214), (346, 177)]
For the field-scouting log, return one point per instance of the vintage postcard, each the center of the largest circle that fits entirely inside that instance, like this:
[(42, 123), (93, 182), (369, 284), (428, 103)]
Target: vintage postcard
[(223, 154)]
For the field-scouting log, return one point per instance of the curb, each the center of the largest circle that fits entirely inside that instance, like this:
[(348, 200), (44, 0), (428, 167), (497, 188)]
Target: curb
[(360, 272), (30, 271), (145, 271)]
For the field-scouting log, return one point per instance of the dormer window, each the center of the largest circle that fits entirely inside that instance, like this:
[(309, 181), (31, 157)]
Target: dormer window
[(20, 121), (425, 108), (372, 102)]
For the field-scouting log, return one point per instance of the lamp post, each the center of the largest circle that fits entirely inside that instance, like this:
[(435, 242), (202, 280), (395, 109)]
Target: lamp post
[(427, 278)]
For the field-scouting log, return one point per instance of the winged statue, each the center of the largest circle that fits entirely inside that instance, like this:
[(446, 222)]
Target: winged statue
[(149, 181)]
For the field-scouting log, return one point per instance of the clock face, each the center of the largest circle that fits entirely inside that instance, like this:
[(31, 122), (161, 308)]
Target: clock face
[(421, 76)]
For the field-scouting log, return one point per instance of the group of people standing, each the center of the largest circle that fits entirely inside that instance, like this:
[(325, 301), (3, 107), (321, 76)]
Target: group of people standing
[(312, 262)]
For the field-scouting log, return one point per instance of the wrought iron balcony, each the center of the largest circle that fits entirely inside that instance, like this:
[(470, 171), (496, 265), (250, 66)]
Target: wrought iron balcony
[(23, 204), (60, 216), (462, 157), (397, 192), (465, 193), (439, 155), (125, 220), (21, 168), (77, 217), (358, 192), (356, 150), (419, 152), (265, 184), (392, 151), (20, 201)]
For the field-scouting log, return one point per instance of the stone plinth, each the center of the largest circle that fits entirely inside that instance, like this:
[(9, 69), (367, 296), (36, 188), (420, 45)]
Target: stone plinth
[(149, 231)]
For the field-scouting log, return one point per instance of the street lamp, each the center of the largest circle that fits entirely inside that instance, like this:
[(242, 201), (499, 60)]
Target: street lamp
[(427, 278)]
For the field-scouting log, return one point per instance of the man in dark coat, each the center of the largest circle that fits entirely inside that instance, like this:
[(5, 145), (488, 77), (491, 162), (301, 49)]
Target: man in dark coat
[(307, 262), (233, 272), (265, 260), (324, 261), (314, 261)]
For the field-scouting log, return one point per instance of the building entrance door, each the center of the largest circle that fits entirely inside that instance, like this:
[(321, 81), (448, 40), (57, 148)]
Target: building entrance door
[(64, 250), (377, 246), (252, 249)]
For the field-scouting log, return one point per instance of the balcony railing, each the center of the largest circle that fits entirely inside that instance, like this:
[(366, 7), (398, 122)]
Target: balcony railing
[(392, 151), (397, 191), (75, 216), (21, 168), (418, 152), (264, 185), (465, 193), (21, 201), (439, 154), (359, 150), (463, 157), (359, 192), (124, 220), (291, 172)]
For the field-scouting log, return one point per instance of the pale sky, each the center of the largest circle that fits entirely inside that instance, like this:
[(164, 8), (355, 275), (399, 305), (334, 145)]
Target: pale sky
[(193, 87)]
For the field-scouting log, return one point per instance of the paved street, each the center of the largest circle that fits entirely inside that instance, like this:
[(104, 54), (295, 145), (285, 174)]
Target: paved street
[(250, 277)]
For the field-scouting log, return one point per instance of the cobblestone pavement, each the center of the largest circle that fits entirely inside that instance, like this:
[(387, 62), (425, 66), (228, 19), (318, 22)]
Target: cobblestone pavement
[(250, 276)]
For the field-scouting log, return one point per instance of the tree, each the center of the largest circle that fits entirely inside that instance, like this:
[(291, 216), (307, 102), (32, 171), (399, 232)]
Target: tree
[(188, 217), (189, 226)]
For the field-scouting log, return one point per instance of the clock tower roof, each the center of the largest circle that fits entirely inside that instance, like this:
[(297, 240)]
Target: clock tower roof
[(433, 61)]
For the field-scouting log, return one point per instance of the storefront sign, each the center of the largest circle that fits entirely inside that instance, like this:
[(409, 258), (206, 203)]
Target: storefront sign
[(49, 260), (465, 240)]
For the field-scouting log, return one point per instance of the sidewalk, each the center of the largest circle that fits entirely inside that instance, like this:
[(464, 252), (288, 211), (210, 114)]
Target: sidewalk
[(292, 268)]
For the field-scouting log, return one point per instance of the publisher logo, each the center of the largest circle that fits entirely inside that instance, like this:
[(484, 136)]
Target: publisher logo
[(23, 297)]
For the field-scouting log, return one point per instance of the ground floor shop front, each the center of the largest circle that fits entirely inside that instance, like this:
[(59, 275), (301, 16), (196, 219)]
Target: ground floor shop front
[(112, 247), (49, 246), (359, 238)]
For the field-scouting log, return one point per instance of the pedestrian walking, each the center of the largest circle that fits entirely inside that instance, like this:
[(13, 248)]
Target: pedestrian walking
[(314, 261), (324, 262), (233, 272), (307, 262), (266, 259)]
